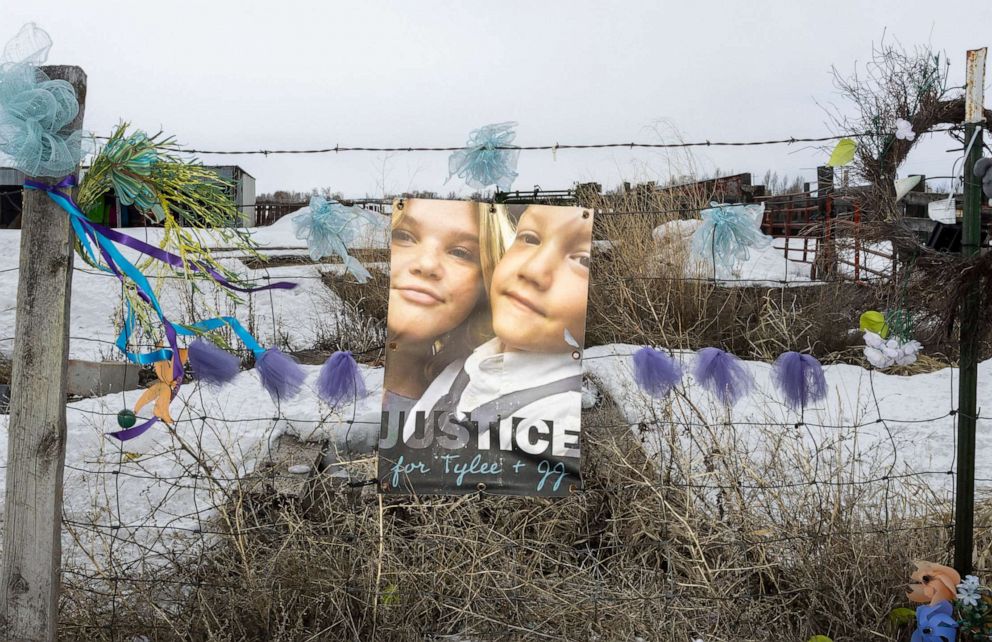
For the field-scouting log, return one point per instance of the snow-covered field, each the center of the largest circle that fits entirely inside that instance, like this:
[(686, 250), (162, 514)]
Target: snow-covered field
[(164, 495), (96, 296), (775, 265)]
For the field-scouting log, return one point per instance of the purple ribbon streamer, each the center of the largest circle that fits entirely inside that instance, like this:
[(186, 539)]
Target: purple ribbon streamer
[(95, 230), (135, 431), (177, 261)]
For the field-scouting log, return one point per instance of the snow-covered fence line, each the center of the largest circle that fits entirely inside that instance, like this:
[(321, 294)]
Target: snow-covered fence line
[(682, 500), (685, 505)]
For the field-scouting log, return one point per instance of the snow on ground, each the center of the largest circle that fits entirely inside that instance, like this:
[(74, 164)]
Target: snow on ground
[(162, 507), (158, 503), (917, 434), (774, 265), (299, 314)]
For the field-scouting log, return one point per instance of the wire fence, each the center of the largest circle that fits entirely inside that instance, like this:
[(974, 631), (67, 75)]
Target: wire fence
[(693, 522), (137, 557), (204, 499)]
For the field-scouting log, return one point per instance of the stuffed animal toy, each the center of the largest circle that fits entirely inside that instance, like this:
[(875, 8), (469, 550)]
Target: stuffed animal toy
[(933, 583), (935, 587)]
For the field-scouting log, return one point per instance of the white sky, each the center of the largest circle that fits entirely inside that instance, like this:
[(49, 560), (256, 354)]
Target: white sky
[(222, 74)]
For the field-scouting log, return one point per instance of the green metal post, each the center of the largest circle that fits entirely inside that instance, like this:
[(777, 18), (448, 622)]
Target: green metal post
[(964, 505)]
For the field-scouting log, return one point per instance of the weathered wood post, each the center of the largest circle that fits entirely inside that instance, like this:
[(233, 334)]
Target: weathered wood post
[(32, 529), (823, 262)]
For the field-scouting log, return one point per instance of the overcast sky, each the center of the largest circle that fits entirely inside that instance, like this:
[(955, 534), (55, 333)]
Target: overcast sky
[(272, 75)]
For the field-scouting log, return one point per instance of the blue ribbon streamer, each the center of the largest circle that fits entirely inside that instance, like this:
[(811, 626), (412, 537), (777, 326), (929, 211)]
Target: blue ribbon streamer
[(123, 269)]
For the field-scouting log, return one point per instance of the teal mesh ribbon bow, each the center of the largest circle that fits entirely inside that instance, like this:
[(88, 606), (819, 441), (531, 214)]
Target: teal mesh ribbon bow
[(727, 235), (35, 111), (330, 227), (484, 161)]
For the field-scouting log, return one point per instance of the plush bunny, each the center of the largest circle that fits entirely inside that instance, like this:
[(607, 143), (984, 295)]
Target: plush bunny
[(983, 170), (935, 586), (933, 583)]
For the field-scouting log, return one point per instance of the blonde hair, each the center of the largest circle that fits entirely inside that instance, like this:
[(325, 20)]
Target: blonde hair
[(496, 233)]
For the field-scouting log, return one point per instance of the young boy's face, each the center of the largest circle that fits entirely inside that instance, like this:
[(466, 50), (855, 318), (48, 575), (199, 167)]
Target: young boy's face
[(540, 285)]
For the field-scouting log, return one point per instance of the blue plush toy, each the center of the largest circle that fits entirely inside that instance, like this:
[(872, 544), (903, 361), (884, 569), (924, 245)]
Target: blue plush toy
[(935, 623)]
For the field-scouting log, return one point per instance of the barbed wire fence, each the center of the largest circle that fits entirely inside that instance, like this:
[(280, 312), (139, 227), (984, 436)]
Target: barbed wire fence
[(690, 522)]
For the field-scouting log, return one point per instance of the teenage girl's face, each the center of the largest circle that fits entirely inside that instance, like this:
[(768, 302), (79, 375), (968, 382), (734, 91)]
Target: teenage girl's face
[(540, 285), (435, 278)]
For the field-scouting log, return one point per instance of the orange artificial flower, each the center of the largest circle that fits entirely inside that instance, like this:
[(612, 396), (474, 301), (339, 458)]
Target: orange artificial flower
[(161, 390)]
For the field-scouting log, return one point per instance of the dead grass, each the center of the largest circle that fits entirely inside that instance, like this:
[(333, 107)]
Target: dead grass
[(685, 528), (639, 294), (704, 539), (371, 298), (365, 255)]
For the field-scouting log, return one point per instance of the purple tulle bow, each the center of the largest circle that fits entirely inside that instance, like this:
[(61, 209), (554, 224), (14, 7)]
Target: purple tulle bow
[(800, 379), (211, 364), (656, 372), (723, 375), (340, 380), (280, 374)]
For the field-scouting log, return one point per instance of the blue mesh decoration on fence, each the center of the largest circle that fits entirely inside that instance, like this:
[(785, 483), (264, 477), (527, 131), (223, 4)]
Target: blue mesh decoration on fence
[(481, 163), (726, 236), (340, 379), (35, 111), (280, 374), (329, 227), (723, 375), (656, 372), (800, 379), (211, 364)]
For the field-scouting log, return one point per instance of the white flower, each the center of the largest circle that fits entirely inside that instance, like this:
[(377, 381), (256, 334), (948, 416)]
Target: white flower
[(876, 358), (906, 359), (904, 130), (970, 582), (968, 597), (872, 340), (968, 591), (883, 353)]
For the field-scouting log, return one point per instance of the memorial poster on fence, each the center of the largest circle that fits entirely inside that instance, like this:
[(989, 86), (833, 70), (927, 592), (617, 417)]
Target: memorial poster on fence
[(485, 327)]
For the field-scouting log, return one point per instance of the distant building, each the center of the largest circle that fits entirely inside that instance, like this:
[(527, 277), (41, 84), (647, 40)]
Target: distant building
[(111, 212), (244, 191), (11, 186)]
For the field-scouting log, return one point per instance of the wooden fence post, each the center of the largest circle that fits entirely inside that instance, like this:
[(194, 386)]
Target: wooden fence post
[(32, 529)]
